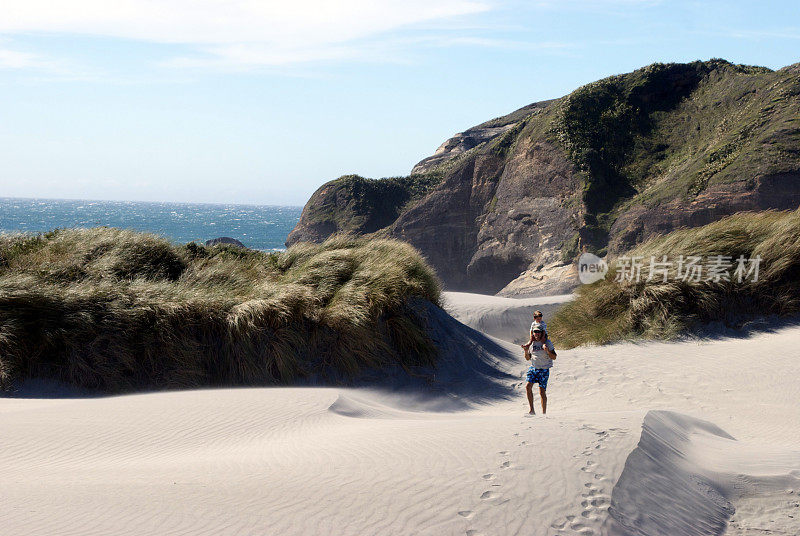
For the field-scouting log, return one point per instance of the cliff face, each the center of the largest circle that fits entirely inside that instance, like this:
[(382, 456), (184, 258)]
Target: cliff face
[(507, 205)]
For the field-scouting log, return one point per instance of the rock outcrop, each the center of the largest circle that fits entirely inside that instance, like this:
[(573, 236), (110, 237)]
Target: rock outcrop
[(507, 206), (226, 240)]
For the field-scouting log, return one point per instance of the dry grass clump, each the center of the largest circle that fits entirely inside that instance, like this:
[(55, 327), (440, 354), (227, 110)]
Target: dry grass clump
[(612, 310), (118, 310)]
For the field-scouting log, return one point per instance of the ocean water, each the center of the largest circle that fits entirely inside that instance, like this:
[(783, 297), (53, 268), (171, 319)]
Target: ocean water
[(256, 226)]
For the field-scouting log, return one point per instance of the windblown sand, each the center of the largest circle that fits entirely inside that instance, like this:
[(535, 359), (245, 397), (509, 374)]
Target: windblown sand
[(658, 438)]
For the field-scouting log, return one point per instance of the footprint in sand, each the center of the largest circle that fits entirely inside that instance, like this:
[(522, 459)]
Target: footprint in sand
[(473, 533), (488, 476), (582, 529), (466, 513), (486, 495), (596, 502), (591, 492), (505, 465), (592, 507)]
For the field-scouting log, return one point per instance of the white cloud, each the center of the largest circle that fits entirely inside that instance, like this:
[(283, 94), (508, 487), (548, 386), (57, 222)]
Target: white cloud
[(14, 59), (20, 60), (245, 32), (239, 56), (788, 33), (488, 42), (386, 50), (232, 21)]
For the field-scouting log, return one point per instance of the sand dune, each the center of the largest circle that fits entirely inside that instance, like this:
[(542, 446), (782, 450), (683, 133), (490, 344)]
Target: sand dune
[(508, 319), (695, 437)]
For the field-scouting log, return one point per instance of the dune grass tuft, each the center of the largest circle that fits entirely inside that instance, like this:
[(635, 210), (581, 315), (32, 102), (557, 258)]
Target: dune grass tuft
[(611, 310), (117, 310)]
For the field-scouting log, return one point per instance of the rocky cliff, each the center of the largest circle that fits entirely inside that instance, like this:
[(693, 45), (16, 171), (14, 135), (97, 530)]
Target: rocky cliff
[(507, 205)]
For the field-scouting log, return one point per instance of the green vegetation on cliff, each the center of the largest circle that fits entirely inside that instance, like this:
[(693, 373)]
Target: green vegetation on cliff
[(668, 131), (661, 133), (118, 310), (611, 310), (360, 205), (619, 160)]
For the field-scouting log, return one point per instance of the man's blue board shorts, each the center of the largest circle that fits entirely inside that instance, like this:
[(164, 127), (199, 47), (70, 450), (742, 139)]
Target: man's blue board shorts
[(539, 375)]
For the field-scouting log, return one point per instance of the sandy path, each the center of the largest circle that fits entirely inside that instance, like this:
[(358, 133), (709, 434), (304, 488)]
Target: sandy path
[(351, 461)]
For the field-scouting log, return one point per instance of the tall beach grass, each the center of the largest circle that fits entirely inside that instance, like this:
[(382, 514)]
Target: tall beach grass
[(611, 310), (117, 310)]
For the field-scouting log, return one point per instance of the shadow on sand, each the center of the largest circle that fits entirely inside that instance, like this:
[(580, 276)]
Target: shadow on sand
[(471, 369)]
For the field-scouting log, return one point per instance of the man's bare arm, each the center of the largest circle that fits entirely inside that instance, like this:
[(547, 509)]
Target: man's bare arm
[(527, 344)]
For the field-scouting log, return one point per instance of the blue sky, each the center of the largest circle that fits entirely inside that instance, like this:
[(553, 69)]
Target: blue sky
[(262, 102)]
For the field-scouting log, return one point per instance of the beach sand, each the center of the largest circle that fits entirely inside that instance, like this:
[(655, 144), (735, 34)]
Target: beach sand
[(693, 437)]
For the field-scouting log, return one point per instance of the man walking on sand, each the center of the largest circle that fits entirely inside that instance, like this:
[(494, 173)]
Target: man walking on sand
[(542, 353)]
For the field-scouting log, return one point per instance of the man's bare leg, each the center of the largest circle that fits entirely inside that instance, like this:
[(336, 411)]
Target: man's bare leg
[(543, 394), (529, 392)]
